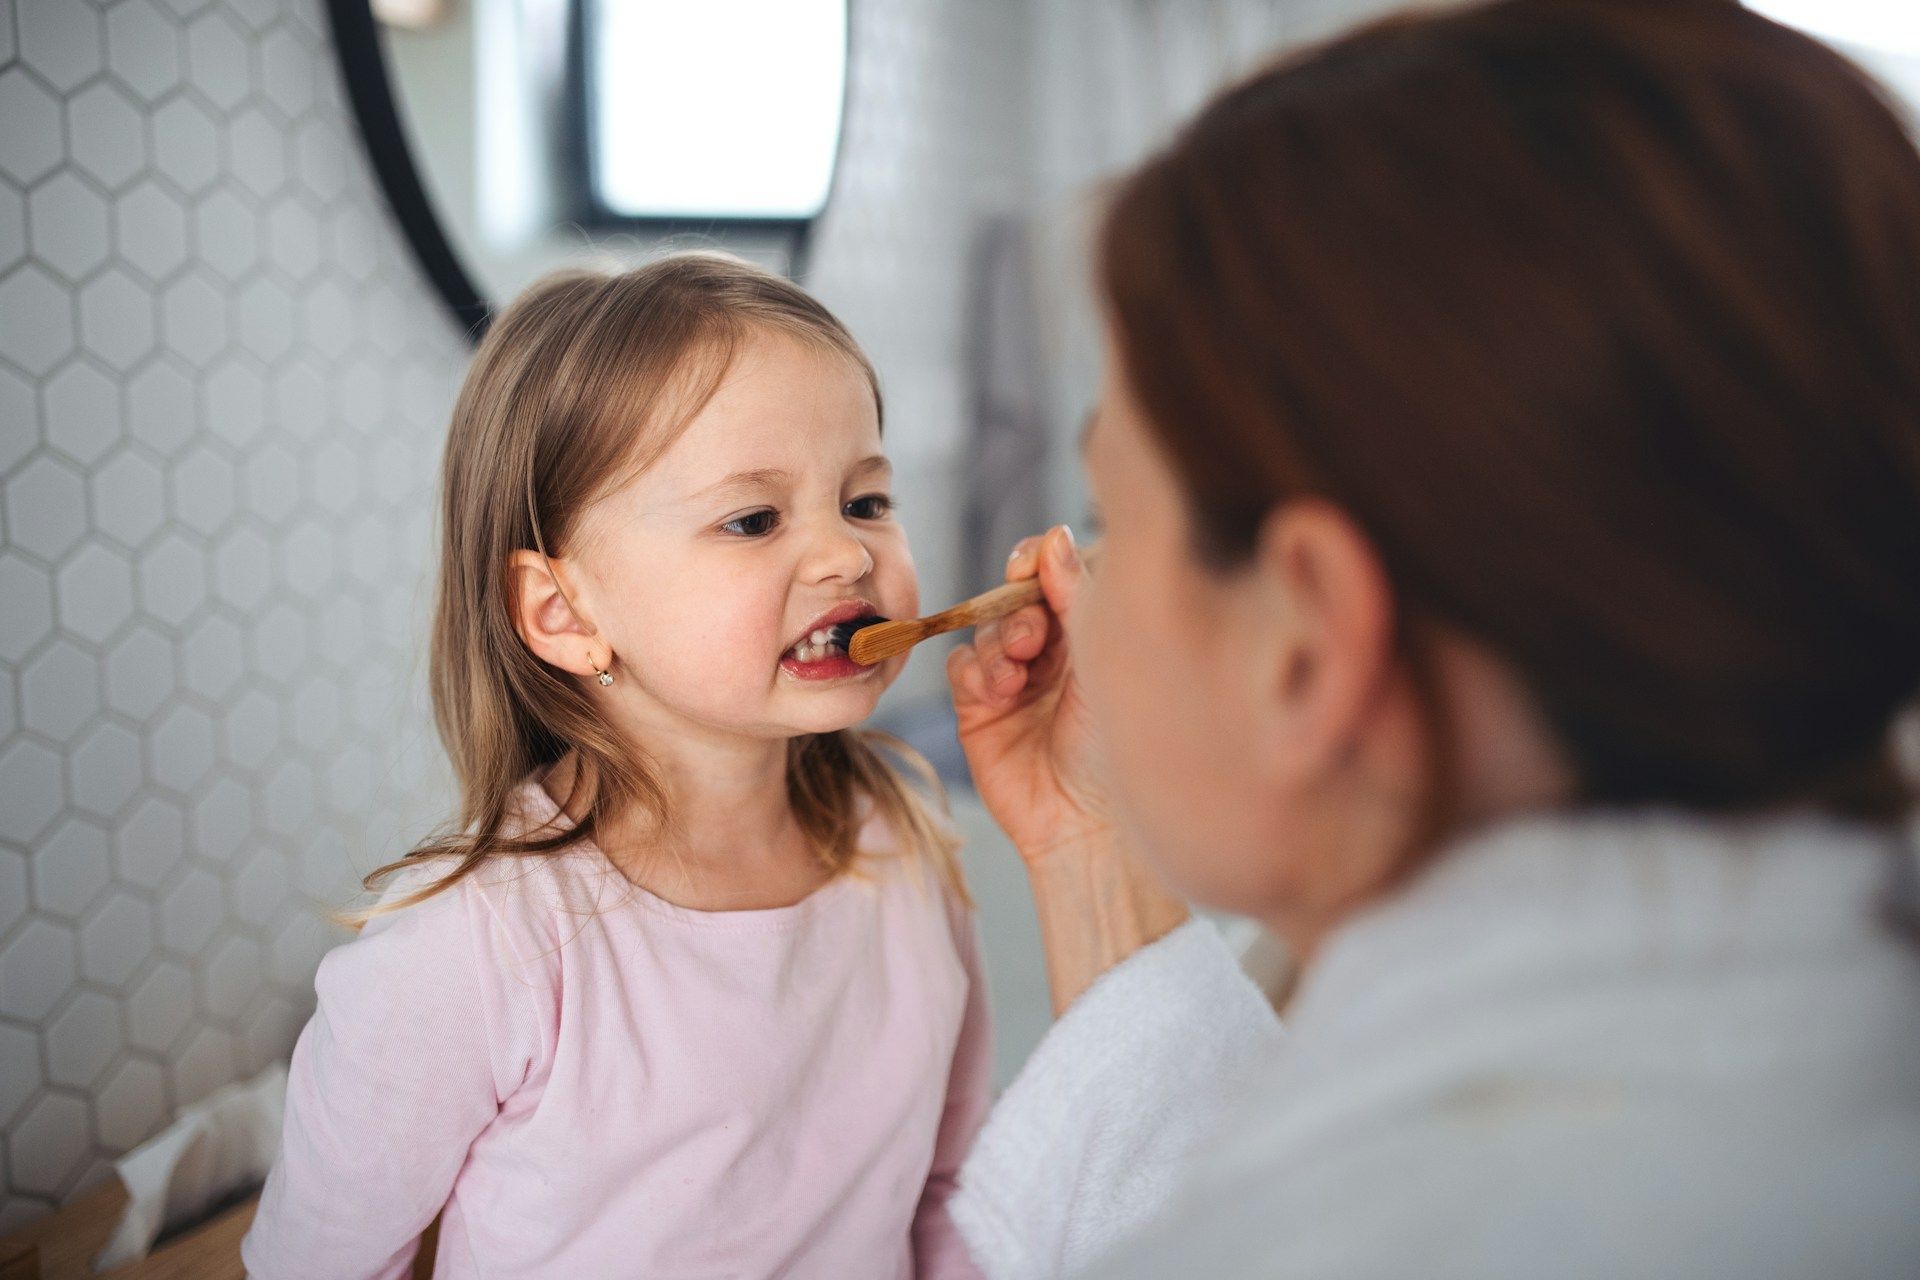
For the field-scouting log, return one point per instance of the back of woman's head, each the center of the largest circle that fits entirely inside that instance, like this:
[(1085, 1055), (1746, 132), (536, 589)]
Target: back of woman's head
[(1602, 319)]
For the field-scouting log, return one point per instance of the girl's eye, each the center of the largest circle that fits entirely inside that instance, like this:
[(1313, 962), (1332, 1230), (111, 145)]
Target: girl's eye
[(755, 524), (874, 506)]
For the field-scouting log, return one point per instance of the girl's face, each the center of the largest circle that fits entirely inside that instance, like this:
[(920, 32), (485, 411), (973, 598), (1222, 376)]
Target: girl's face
[(770, 517)]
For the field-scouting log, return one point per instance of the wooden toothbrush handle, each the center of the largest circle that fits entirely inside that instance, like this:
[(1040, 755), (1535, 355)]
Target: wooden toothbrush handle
[(985, 607)]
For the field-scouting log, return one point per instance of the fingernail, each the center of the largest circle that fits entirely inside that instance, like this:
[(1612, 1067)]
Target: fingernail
[(1016, 631), (1000, 670), (1065, 549)]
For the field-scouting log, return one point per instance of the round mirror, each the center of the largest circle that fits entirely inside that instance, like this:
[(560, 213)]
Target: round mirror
[(517, 136)]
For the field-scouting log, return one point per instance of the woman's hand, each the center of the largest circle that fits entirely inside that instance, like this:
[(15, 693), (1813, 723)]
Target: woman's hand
[(1028, 738), (1023, 722)]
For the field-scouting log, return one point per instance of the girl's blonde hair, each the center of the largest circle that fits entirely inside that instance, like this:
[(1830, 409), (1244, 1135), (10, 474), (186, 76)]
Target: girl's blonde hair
[(583, 381)]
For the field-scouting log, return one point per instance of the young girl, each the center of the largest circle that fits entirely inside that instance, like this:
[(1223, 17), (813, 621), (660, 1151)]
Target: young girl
[(692, 989)]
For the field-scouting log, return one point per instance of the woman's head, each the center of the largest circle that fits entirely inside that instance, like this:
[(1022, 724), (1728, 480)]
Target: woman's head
[(668, 475), (1532, 395)]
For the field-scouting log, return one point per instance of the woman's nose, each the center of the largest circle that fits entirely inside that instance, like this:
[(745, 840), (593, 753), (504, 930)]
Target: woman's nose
[(837, 553)]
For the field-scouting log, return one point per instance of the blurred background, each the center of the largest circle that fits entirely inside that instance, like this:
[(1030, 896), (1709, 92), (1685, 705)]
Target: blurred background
[(244, 245)]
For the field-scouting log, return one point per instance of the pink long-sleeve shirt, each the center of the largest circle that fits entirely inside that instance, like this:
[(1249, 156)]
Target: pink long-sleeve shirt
[(595, 1082)]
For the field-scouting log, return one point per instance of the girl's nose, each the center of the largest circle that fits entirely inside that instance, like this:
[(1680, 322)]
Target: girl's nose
[(837, 554)]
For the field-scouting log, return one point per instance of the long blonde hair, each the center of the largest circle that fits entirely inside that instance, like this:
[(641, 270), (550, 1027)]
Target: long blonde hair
[(545, 424)]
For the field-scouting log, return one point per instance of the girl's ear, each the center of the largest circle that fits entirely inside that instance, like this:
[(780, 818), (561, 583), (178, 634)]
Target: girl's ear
[(544, 615)]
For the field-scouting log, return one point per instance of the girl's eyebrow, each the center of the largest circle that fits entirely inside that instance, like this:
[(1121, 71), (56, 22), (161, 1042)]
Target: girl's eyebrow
[(763, 478)]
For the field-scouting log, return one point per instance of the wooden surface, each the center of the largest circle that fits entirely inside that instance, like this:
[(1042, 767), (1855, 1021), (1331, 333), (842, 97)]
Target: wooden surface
[(67, 1240)]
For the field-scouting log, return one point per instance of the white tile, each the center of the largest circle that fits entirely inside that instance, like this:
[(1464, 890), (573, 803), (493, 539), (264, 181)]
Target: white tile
[(222, 821), (19, 419), (116, 939), (131, 1107), (343, 628), (13, 228), (257, 152), (181, 747), (336, 477), (293, 237), (265, 318), (206, 1063), (173, 579), (287, 70), (28, 617), (306, 558), (70, 868), (236, 399), (150, 229), (139, 672), (20, 1074), (260, 888), (82, 411), (106, 134), (161, 410), (94, 591), (213, 657), (252, 729), (234, 977), (327, 316), (193, 317), (36, 969), (268, 1034), (349, 781), (289, 798), (270, 483), (83, 1040), (67, 225), (226, 233), (143, 48), (59, 690), (191, 911), (117, 318), (186, 144), (46, 507), (203, 490), (104, 770), (316, 712), (280, 643), (30, 144), (129, 498), (243, 561), (63, 41), (159, 1009), (300, 402), (13, 894), (321, 159), (49, 1145), (31, 790), (217, 59), (150, 843), (36, 314)]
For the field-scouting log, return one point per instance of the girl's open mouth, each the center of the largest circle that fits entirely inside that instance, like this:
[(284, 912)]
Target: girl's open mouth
[(821, 653)]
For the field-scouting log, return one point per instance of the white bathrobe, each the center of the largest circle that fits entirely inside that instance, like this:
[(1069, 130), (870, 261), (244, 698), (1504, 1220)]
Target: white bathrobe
[(1601, 1046)]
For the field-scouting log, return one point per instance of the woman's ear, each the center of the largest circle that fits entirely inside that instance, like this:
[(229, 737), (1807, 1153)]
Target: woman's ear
[(1325, 609), (545, 616)]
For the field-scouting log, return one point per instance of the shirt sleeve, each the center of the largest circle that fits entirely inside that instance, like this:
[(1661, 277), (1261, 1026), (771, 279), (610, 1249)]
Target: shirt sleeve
[(939, 1252), (422, 1028), (1095, 1135)]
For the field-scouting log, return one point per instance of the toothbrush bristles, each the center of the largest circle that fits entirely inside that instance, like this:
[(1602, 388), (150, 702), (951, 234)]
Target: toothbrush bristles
[(842, 633)]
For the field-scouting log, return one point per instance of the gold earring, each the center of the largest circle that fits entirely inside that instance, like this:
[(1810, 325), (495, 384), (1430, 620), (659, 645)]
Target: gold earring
[(605, 677)]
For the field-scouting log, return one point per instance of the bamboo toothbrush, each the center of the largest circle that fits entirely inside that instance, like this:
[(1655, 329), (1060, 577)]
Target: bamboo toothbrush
[(869, 641)]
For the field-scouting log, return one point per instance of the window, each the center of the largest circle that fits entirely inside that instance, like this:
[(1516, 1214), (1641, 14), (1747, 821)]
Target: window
[(711, 110), (1883, 26)]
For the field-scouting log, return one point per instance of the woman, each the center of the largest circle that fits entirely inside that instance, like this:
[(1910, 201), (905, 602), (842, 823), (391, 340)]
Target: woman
[(1511, 458)]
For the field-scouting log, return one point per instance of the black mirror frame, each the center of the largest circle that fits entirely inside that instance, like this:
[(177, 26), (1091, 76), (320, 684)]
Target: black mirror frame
[(365, 75)]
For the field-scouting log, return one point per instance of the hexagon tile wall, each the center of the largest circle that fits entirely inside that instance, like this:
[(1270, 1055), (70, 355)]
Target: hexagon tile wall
[(222, 388)]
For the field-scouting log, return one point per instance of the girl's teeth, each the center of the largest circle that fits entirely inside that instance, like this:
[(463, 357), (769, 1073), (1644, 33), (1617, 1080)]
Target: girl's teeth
[(820, 639)]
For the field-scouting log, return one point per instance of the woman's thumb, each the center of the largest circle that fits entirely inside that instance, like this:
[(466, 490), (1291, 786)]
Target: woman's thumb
[(1061, 570)]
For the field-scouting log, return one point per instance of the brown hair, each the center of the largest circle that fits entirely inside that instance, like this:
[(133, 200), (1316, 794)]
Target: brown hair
[(544, 425), (1602, 318)]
